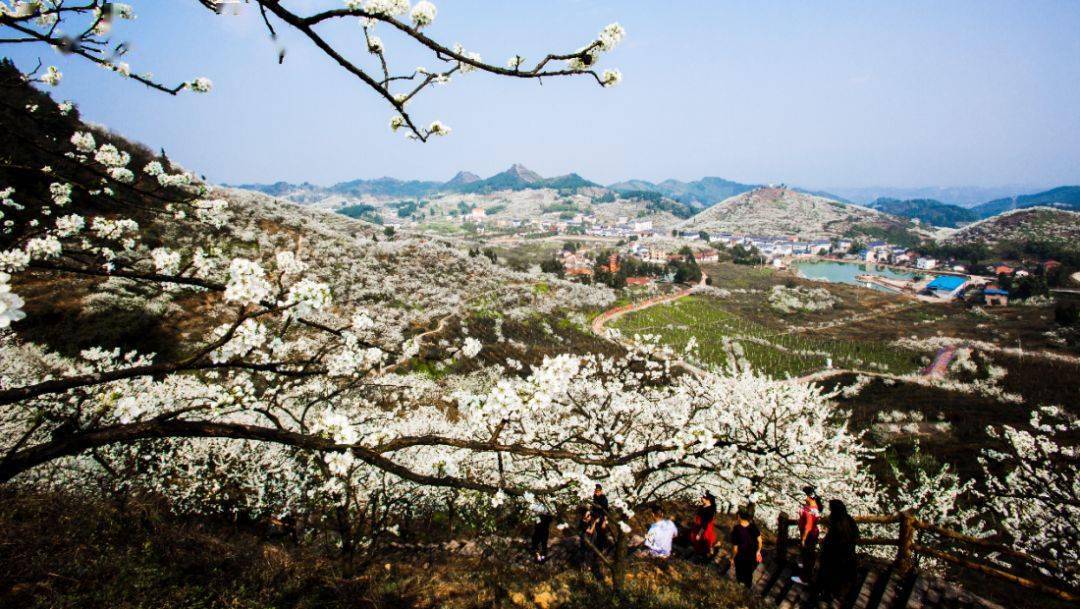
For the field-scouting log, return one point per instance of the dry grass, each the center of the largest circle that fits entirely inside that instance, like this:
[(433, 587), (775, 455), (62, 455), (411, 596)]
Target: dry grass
[(63, 551)]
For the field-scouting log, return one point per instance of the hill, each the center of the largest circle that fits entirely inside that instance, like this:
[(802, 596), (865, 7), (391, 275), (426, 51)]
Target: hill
[(1062, 197), (783, 211), (704, 192), (1030, 225), (927, 211)]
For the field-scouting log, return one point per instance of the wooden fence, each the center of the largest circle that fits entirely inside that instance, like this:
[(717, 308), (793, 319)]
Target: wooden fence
[(908, 549)]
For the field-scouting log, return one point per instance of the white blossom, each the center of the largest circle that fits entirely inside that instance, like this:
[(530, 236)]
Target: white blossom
[(10, 303), (423, 13), (247, 282), (51, 76)]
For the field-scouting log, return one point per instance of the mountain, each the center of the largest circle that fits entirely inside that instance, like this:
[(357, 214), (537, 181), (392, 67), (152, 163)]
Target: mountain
[(519, 177), (634, 185), (1063, 197), (1031, 224), (964, 196), (770, 211), (278, 189), (384, 187), (704, 192), (461, 179), (927, 211)]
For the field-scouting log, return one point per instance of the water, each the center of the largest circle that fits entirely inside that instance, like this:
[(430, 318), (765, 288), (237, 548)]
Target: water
[(846, 272)]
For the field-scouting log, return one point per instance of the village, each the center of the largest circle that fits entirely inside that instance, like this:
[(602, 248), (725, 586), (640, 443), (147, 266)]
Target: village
[(643, 258)]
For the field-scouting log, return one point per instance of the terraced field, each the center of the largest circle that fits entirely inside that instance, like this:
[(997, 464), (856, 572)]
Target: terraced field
[(724, 337)]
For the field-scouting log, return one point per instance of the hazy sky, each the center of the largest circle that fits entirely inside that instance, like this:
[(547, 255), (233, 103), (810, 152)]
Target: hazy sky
[(823, 93)]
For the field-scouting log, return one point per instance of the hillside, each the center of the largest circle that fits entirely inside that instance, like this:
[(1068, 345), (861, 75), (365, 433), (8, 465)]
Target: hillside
[(1035, 224), (1063, 197), (782, 211), (927, 211)]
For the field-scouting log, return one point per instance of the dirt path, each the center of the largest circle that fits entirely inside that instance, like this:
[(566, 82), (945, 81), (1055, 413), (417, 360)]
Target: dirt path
[(614, 313), (941, 361)]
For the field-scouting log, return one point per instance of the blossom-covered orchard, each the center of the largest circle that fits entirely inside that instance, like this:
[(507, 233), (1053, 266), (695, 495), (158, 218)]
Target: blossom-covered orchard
[(291, 382), (84, 30), (290, 378)]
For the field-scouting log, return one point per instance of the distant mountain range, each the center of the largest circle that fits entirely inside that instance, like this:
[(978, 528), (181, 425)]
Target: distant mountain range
[(1063, 197), (927, 211), (517, 177), (937, 206), (963, 196)]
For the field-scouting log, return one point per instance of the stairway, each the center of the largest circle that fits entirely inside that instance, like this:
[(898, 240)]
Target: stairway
[(876, 586)]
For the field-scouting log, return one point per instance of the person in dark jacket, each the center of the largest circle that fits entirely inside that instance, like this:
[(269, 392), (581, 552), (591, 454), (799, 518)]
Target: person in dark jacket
[(745, 548), (540, 535), (838, 561)]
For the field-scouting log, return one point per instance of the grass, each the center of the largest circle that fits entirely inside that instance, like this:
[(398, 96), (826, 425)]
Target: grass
[(63, 551)]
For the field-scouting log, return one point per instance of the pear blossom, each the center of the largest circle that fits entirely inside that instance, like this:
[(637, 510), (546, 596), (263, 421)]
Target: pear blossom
[(201, 84), (14, 261), (44, 248), (10, 303), (471, 348), (51, 76), (70, 225), (611, 77), (438, 128), (166, 261), (611, 36), (61, 193), (423, 13), (83, 141), (110, 156), (247, 282)]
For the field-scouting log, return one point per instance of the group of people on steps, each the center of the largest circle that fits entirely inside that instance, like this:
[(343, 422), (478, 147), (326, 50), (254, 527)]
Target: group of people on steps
[(698, 540)]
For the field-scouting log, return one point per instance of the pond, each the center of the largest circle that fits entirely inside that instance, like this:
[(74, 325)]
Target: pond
[(846, 272)]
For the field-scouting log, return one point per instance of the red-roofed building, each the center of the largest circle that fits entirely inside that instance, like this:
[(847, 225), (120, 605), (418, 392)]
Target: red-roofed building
[(639, 281)]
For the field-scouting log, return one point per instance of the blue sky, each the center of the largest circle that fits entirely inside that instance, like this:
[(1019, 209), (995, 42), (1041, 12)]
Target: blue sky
[(824, 93)]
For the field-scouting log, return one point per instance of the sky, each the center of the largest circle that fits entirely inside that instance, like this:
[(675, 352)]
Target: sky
[(821, 94)]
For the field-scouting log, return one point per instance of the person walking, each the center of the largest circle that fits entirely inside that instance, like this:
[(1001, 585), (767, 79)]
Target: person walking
[(838, 561), (540, 535), (703, 532), (746, 545), (661, 534), (809, 531)]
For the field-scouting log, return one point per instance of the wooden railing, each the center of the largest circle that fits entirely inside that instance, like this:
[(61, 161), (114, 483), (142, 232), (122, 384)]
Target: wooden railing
[(908, 549)]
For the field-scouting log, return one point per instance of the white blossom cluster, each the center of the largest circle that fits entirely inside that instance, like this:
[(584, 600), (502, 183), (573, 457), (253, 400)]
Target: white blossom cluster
[(799, 298)]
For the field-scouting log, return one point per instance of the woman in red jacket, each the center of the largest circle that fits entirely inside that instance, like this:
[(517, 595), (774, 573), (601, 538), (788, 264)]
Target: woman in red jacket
[(703, 532), (809, 515)]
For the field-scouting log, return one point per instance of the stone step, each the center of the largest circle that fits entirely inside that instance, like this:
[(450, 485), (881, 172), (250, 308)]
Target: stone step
[(862, 597)]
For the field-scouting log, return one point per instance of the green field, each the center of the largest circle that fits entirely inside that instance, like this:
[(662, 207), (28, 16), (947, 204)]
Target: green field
[(767, 349)]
